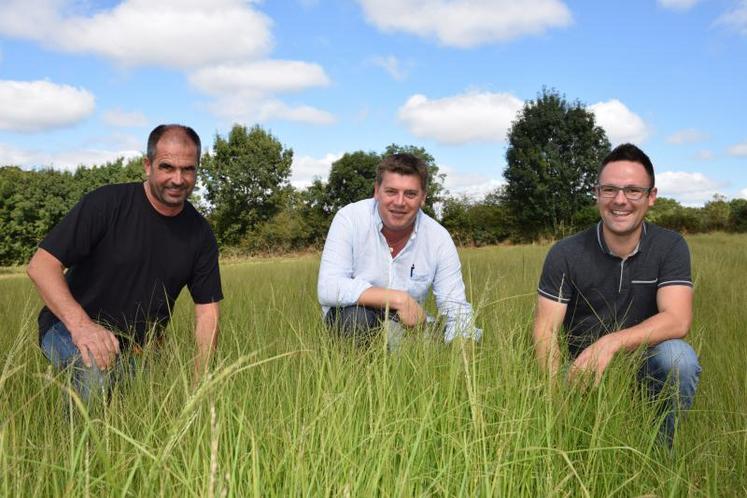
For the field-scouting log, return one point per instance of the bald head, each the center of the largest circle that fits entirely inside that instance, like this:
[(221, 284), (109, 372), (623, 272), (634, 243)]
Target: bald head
[(176, 133)]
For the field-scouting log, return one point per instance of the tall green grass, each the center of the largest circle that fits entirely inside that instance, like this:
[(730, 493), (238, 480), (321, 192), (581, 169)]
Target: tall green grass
[(289, 411)]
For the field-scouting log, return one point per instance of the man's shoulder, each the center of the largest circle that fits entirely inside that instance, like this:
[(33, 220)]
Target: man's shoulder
[(579, 242), (433, 227), (113, 192), (662, 235)]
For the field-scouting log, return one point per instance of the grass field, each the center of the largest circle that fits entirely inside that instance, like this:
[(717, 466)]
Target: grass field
[(289, 412)]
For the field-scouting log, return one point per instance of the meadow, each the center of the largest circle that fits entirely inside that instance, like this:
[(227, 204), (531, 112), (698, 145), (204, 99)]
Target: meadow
[(289, 411)]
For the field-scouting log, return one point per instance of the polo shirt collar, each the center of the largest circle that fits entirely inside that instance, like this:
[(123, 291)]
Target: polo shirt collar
[(603, 245)]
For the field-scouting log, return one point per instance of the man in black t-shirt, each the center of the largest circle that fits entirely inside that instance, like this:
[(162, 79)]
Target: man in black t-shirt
[(129, 249), (619, 286)]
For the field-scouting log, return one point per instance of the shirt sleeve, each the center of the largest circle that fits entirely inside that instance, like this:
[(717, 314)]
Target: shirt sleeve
[(337, 284), (555, 281), (448, 289), (675, 266), (75, 236), (204, 283)]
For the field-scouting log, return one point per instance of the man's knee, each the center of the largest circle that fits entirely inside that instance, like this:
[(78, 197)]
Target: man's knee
[(675, 363)]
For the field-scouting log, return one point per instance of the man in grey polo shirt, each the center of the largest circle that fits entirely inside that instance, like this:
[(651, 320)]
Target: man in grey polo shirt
[(621, 285), (384, 254)]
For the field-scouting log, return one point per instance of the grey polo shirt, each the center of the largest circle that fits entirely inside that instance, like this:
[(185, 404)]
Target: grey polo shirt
[(605, 293)]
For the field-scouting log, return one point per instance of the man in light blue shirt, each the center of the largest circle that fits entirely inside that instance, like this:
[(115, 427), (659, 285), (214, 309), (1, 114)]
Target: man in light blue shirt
[(384, 254)]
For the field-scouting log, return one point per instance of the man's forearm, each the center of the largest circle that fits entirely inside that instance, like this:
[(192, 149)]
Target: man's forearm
[(408, 309), (47, 274), (206, 334)]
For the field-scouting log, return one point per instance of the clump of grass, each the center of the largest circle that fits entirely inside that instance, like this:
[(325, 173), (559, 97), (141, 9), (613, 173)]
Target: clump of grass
[(288, 410)]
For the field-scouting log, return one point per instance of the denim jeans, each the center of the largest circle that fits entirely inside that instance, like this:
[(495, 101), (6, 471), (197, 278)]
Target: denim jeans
[(91, 383), (671, 369)]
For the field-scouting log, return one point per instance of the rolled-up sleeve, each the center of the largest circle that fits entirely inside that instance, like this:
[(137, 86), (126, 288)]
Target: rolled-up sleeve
[(337, 285), (451, 300)]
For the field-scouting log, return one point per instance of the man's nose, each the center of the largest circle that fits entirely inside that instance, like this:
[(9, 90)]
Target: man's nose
[(178, 177), (620, 196)]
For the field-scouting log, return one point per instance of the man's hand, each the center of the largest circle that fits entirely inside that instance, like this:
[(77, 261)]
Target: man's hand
[(596, 358), (94, 341), (410, 313)]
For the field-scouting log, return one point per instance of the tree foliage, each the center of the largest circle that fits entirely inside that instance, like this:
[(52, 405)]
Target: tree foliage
[(351, 178), (244, 179), (554, 151)]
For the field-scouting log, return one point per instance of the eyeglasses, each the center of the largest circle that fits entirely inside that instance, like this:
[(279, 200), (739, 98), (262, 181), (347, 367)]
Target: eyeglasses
[(630, 192)]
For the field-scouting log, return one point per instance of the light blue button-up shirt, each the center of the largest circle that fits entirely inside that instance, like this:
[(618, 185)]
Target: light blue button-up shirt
[(356, 257)]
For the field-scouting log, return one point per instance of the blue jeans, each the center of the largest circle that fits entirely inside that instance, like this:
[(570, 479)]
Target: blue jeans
[(90, 382), (671, 369)]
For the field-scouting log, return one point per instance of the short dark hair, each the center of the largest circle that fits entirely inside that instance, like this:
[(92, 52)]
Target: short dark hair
[(160, 130), (403, 163), (629, 152)]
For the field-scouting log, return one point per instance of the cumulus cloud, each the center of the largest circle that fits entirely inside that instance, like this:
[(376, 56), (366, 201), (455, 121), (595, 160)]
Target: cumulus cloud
[(469, 117), (262, 77), (391, 65), (743, 193), (467, 23), (68, 160), (688, 188), (687, 136), (246, 92), (621, 124), (738, 150), (31, 106), (168, 33), (680, 5), (736, 18), (473, 185), (306, 168), (123, 119)]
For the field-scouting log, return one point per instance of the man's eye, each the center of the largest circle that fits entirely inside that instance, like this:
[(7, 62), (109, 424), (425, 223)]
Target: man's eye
[(609, 190), (634, 190)]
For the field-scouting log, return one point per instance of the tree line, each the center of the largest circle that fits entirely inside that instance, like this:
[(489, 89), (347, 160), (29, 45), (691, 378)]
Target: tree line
[(554, 150)]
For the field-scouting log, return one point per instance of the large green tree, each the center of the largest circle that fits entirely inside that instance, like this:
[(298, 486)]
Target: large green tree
[(351, 178), (554, 151), (244, 180)]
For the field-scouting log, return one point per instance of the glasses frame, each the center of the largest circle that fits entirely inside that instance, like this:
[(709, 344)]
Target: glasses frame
[(630, 194)]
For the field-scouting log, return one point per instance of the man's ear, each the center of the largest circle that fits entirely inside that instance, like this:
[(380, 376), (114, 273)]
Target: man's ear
[(147, 166)]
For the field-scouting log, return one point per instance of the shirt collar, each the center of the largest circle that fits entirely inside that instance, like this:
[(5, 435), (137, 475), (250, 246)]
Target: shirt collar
[(606, 250)]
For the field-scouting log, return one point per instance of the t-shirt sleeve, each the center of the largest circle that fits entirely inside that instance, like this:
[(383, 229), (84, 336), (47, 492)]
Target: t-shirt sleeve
[(675, 266), (555, 281), (76, 235), (204, 284)]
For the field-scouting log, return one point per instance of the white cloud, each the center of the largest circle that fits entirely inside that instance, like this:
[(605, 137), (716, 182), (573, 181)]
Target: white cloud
[(391, 65), (467, 23), (738, 150), (306, 168), (474, 185), (688, 188), (68, 160), (123, 119), (743, 193), (680, 5), (469, 117), (262, 77), (245, 92), (736, 18), (29, 106), (621, 124), (687, 136), (169, 33)]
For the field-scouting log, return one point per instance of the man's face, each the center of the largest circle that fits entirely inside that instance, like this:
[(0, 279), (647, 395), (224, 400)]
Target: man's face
[(622, 216), (173, 172), (400, 197)]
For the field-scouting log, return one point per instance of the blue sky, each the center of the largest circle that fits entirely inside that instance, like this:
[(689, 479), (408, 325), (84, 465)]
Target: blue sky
[(83, 81)]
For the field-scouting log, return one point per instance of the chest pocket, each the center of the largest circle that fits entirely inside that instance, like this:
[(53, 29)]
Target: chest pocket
[(418, 285), (644, 291)]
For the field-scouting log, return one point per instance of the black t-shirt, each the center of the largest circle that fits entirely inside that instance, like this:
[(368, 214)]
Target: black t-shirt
[(127, 263), (605, 293)]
